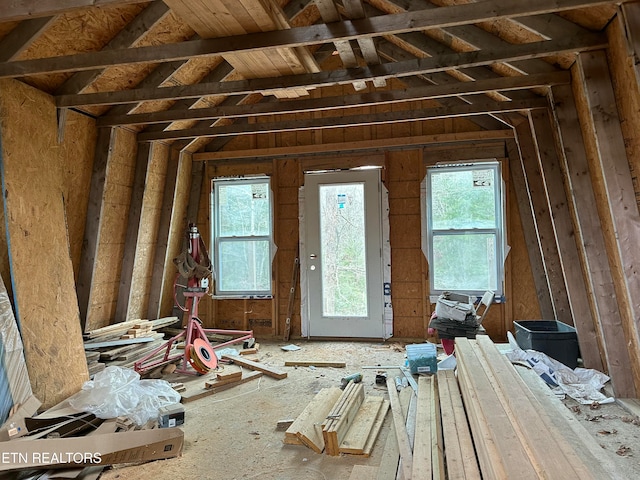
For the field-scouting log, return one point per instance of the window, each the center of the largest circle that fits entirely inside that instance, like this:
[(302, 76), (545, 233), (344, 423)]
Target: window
[(464, 228), (242, 234)]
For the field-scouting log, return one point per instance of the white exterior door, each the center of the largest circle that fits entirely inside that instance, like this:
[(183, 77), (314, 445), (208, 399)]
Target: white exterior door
[(343, 258)]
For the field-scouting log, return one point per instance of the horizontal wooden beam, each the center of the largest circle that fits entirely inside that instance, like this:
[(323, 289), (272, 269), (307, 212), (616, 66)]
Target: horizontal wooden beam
[(363, 145), (16, 10), (479, 108), (295, 37), (344, 101), (320, 79)]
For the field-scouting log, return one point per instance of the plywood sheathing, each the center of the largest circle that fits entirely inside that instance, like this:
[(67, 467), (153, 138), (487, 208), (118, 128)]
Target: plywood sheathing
[(85, 30), (178, 229), (149, 221), (116, 202), (42, 271)]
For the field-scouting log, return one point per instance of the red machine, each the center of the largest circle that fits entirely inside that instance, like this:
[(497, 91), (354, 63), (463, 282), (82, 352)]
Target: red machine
[(198, 356)]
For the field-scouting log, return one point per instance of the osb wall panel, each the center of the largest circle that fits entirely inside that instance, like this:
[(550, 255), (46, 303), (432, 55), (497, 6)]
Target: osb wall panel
[(78, 153), (42, 271), (177, 230), (147, 235), (625, 85), (116, 202), (524, 303), (407, 276)]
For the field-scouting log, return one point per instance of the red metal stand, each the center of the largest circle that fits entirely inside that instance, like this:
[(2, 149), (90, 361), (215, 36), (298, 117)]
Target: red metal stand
[(198, 356)]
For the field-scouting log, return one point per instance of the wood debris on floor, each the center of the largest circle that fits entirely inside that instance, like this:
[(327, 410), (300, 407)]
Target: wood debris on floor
[(123, 344), (337, 421)]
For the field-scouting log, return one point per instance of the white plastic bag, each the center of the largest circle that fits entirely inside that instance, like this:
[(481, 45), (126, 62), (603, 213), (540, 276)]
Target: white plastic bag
[(118, 391), (581, 384)]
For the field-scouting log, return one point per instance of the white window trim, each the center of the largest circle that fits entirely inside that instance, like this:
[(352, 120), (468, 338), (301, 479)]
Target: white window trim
[(246, 294), (500, 230)]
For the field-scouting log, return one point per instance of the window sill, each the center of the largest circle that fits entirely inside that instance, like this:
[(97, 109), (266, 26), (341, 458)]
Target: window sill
[(242, 297)]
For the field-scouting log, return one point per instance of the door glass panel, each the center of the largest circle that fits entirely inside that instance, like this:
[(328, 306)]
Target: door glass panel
[(343, 251)]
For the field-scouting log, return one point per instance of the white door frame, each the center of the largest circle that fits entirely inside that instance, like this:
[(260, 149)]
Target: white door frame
[(371, 326)]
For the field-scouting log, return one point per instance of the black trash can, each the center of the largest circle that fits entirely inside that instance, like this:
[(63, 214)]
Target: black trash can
[(556, 339)]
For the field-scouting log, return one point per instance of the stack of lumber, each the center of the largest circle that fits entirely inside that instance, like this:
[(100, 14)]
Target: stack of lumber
[(338, 422), (513, 436), (122, 344), (225, 378)]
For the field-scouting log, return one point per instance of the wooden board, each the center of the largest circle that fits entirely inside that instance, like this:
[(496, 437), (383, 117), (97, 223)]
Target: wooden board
[(391, 455), (460, 454), (261, 367), (404, 446), (36, 220), (341, 417), (304, 428), (363, 472), (375, 429), (312, 363), (422, 460), (356, 437), (194, 393)]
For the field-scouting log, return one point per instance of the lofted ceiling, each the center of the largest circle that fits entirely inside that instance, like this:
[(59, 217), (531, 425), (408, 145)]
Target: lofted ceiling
[(197, 73)]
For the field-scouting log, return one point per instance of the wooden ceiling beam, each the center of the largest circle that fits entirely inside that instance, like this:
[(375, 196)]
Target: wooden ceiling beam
[(19, 39), (395, 70), (347, 121), (362, 145), (16, 10), (296, 37), (328, 103)]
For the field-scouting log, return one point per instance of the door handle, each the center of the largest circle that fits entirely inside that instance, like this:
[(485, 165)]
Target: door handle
[(313, 256)]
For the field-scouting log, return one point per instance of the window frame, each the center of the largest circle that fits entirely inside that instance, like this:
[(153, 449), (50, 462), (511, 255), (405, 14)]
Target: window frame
[(499, 231), (219, 240)]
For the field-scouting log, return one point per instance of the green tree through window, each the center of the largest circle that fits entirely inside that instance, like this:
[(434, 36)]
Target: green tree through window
[(464, 228)]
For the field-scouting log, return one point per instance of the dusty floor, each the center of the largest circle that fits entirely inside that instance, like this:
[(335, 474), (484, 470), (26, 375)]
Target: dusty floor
[(232, 435)]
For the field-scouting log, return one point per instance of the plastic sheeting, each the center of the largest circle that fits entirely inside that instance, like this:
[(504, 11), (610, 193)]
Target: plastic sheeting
[(581, 384), (15, 387), (118, 391)]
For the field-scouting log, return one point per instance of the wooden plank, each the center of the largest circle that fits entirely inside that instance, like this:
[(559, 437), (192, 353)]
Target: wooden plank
[(305, 426), (500, 450), (261, 367), (588, 226), (363, 472), (22, 36), (553, 412), (390, 454), (549, 452), (25, 9), (192, 393), (544, 227), (375, 429), (437, 441), (613, 167), (143, 159), (84, 284), (340, 419), (301, 36), (160, 260), (422, 460), (589, 338), (311, 80), (314, 363), (333, 102), (114, 343), (488, 106), (460, 454), (536, 260), (404, 447), (356, 437), (443, 138)]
